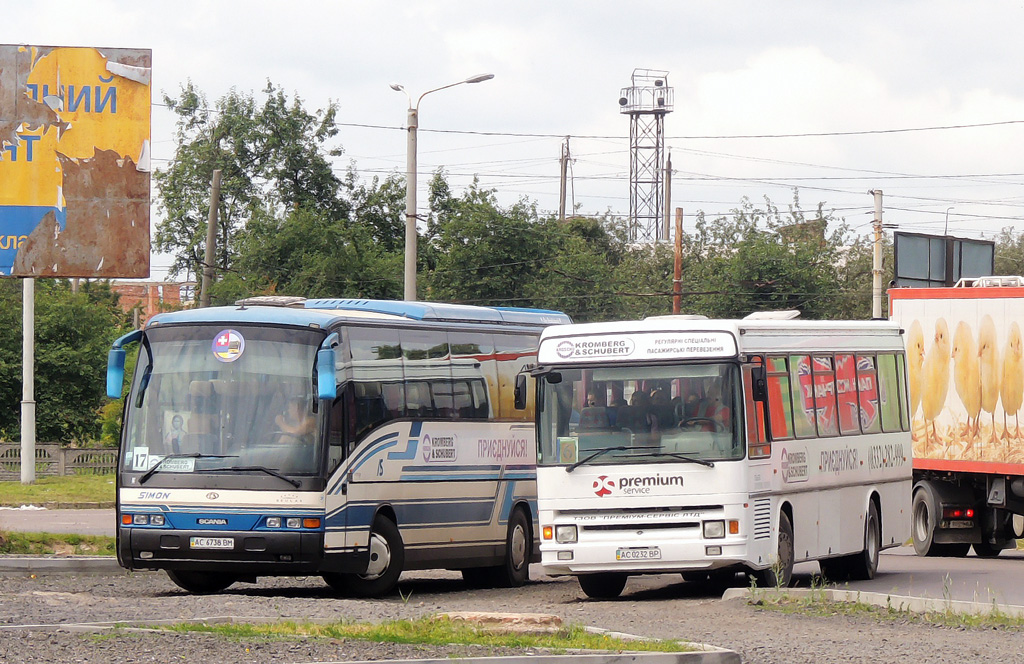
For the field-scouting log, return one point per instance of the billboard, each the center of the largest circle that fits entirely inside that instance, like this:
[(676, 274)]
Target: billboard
[(934, 261), (74, 161)]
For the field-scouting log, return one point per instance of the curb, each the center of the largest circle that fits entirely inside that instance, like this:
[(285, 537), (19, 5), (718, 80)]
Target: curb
[(884, 600), (39, 566)]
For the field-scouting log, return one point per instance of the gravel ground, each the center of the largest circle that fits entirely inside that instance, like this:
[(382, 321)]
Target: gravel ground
[(662, 607)]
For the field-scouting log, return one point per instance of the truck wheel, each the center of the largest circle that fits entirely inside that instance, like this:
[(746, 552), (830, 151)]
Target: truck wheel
[(780, 573), (607, 585), (923, 524), (986, 550)]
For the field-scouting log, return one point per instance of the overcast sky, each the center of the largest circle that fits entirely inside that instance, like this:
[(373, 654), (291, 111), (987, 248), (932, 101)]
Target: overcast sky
[(852, 71)]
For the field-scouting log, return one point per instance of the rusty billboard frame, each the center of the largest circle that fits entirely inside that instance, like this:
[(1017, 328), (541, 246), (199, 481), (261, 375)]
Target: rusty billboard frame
[(75, 135)]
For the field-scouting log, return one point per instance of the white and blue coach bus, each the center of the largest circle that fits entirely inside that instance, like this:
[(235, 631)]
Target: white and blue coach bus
[(352, 439)]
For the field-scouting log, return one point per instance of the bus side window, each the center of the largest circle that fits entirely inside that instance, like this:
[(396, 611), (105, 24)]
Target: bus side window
[(867, 394), (901, 368), (377, 394), (513, 352), (803, 396), (780, 399), (825, 396), (336, 434), (473, 368), (889, 395), (846, 393)]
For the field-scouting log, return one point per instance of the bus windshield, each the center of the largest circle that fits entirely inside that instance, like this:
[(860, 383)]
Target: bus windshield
[(631, 414), (220, 400)]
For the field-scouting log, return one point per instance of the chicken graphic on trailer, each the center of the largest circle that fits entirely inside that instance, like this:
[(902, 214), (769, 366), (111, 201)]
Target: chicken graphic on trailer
[(964, 390)]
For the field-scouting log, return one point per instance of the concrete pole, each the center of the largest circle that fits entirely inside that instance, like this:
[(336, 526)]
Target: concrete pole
[(677, 281), (28, 383), (411, 235), (211, 241), (564, 165), (876, 263)]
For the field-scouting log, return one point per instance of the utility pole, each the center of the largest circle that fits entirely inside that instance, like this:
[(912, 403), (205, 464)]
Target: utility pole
[(677, 279), (211, 240), (876, 263), (564, 161), (668, 193)]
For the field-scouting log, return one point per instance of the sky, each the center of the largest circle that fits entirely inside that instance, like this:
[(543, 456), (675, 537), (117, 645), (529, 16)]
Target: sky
[(922, 100)]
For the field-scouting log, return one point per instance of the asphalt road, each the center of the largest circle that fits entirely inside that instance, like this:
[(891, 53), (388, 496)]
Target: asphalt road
[(999, 580)]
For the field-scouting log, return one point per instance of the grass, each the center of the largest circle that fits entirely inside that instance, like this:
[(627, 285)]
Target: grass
[(65, 489), (436, 631), (51, 543)]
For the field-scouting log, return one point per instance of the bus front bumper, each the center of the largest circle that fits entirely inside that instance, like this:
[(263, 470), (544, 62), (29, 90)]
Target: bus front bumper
[(647, 557), (239, 552)]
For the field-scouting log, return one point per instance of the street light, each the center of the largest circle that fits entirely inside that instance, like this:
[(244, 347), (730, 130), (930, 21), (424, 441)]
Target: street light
[(410, 180), (946, 230)]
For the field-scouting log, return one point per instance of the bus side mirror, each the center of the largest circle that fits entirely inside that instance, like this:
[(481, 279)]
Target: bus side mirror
[(326, 379), (759, 388), (115, 372), (520, 393)]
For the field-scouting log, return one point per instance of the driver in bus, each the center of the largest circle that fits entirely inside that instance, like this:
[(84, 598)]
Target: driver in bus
[(296, 424)]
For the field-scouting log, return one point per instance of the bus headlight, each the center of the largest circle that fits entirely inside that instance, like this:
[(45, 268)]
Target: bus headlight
[(293, 522), (156, 520), (714, 529), (273, 522), (565, 534)]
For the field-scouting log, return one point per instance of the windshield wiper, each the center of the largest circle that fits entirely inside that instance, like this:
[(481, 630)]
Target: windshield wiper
[(194, 455), (261, 469), (681, 457), (605, 450)]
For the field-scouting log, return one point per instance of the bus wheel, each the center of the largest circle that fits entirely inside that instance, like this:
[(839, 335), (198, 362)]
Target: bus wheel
[(780, 573), (515, 571), (387, 558), (863, 565), (607, 585), (200, 583)]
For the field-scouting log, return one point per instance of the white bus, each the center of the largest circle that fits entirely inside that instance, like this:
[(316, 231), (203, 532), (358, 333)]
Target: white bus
[(707, 447), (352, 439)]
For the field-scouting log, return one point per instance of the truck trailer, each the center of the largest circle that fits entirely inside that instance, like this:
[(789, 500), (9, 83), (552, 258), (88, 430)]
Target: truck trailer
[(966, 375)]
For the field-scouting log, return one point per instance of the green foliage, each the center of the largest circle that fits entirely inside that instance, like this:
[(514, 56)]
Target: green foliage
[(73, 332), (273, 157), (42, 544)]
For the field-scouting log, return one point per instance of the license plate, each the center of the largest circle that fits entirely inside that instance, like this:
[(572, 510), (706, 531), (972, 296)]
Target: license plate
[(211, 543), (645, 553)]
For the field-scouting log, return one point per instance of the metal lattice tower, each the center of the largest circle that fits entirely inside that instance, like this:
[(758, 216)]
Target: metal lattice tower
[(646, 101)]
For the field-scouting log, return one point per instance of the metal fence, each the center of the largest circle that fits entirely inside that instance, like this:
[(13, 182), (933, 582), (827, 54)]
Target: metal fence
[(52, 459)]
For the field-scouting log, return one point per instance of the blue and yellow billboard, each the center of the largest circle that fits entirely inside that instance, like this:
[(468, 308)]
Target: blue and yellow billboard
[(74, 161)]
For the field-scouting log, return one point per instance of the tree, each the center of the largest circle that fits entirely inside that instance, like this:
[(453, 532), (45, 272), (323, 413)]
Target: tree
[(274, 158), (73, 333)]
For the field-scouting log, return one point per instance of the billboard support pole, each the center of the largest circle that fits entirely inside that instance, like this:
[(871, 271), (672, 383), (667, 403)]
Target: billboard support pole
[(28, 368), (876, 263)]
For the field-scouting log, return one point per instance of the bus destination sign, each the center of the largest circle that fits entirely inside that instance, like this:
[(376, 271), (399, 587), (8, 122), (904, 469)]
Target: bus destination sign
[(638, 346)]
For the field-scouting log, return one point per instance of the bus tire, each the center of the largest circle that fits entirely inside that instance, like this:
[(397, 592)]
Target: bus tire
[(863, 565), (606, 585), (201, 583), (387, 558), (515, 571), (780, 573)]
